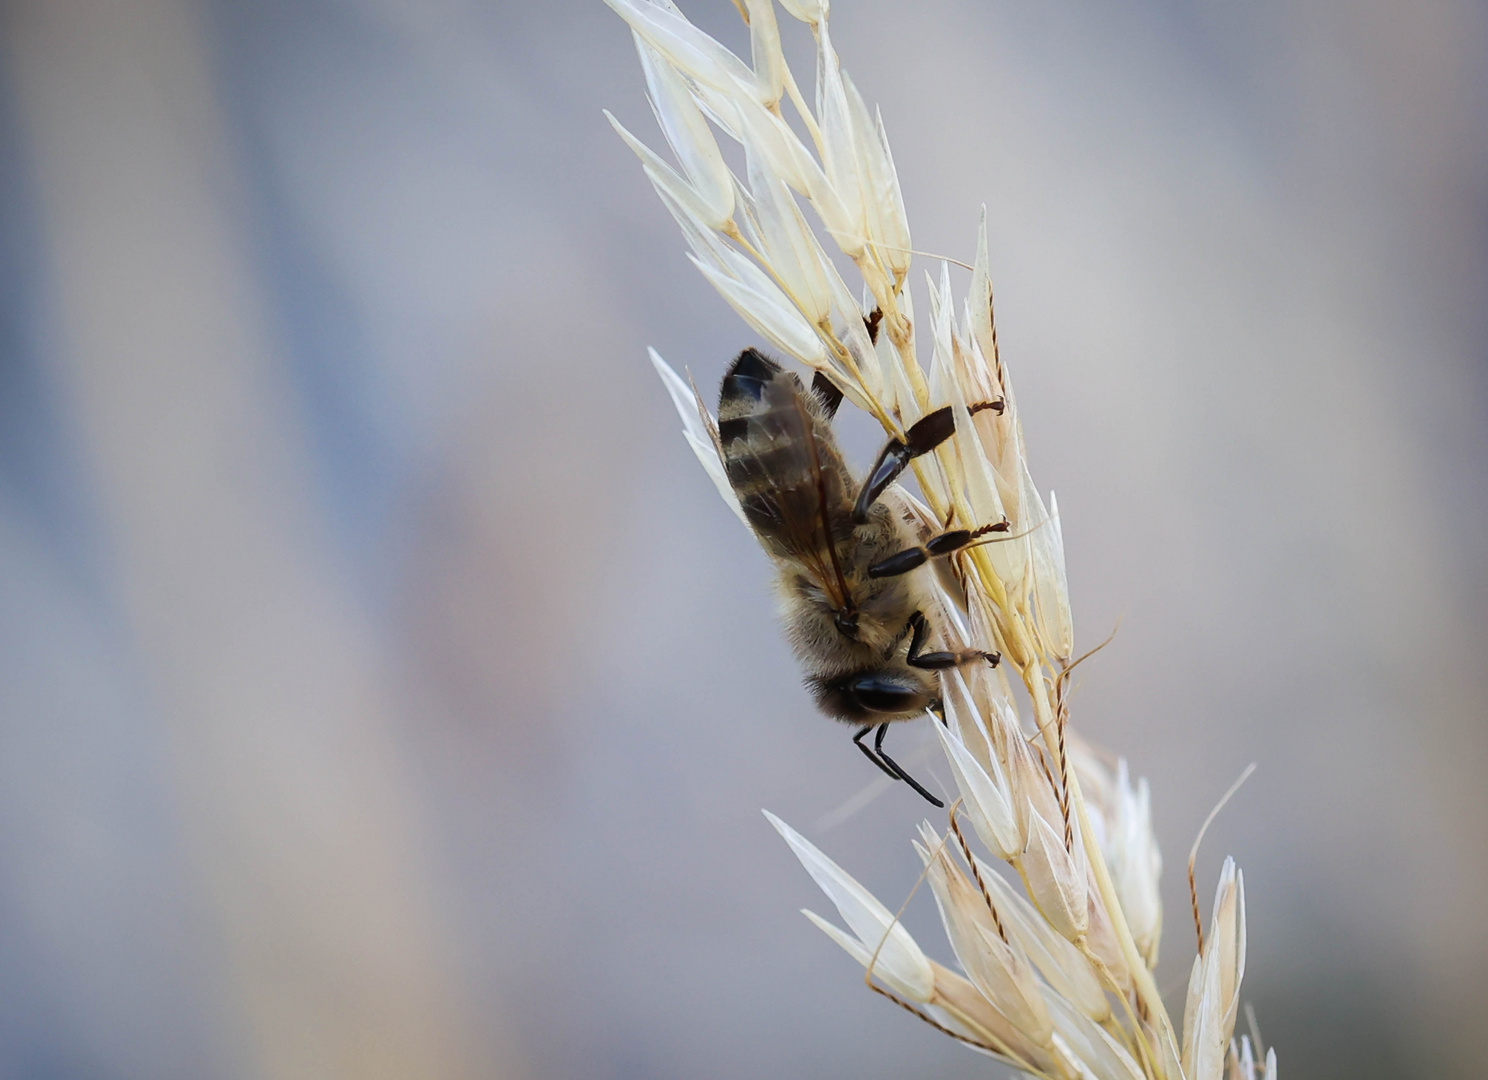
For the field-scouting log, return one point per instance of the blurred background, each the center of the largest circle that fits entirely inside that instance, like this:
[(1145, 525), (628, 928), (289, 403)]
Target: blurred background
[(387, 693)]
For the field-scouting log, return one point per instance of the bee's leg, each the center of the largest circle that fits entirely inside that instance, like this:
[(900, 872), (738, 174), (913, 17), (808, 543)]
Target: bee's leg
[(939, 661), (826, 390), (899, 769), (869, 754), (902, 562), (924, 435)]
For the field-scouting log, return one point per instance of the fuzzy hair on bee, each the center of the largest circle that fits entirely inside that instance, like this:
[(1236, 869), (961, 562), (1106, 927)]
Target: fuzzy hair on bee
[(843, 551)]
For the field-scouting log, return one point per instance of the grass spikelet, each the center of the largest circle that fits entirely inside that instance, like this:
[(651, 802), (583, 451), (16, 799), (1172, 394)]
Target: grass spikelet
[(1058, 972)]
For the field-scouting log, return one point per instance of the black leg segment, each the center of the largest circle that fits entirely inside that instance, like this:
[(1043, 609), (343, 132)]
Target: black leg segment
[(925, 435), (826, 390), (948, 542), (899, 769), (939, 661), (869, 754), (930, 430), (902, 562), (890, 463)]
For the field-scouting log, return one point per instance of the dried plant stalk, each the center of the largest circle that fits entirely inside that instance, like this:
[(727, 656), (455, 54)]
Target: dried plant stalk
[(1056, 979)]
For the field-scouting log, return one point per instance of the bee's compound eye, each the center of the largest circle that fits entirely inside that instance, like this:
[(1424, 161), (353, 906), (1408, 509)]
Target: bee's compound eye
[(879, 694), (870, 696)]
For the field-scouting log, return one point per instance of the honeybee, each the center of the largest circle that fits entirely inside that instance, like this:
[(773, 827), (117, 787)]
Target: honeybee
[(853, 613)]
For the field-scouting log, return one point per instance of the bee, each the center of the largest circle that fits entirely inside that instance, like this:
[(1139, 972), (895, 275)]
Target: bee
[(843, 551)]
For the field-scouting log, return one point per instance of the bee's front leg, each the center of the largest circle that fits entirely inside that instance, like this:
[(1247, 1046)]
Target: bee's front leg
[(939, 661), (893, 767), (869, 754), (881, 758)]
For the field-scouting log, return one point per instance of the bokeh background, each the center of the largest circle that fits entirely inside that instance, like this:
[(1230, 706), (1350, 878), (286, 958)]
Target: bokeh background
[(386, 692)]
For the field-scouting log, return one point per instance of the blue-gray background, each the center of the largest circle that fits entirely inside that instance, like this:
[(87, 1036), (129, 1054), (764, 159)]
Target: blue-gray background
[(386, 693)]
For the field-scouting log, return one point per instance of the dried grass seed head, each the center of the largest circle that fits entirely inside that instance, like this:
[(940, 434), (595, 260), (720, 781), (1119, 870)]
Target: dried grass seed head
[(1061, 982)]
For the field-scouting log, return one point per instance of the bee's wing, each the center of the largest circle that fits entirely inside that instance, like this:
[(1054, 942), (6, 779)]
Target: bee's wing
[(791, 481)]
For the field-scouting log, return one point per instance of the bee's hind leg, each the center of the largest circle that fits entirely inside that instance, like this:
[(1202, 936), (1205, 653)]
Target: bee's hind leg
[(827, 393), (928, 432), (898, 769), (939, 661)]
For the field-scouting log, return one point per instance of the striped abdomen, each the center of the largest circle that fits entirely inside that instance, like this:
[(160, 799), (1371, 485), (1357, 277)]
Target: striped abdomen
[(783, 462)]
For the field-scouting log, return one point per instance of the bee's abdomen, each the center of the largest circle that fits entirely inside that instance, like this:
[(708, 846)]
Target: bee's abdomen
[(747, 378)]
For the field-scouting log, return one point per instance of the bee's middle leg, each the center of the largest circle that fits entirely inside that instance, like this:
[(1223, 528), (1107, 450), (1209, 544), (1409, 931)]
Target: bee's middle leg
[(939, 661), (902, 562)]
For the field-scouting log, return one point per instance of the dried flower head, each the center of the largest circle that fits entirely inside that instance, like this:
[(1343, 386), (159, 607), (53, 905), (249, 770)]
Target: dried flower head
[(1056, 976)]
